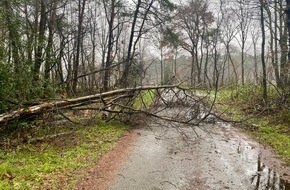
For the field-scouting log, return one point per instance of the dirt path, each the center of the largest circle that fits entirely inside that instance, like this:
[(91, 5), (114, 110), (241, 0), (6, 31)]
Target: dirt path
[(99, 177)]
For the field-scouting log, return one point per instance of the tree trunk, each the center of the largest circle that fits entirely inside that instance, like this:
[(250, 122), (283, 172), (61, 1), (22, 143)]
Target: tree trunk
[(128, 57), (41, 40), (175, 62), (264, 84), (243, 62), (193, 71), (110, 46), (283, 44), (277, 73), (161, 66), (273, 34), (13, 37), (79, 39), (24, 113), (206, 78), (198, 66), (232, 63), (51, 27), (256, 75), (286, 68)]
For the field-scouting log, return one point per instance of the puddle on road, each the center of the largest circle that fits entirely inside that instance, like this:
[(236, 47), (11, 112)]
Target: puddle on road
[(266, 179), (263, 177)]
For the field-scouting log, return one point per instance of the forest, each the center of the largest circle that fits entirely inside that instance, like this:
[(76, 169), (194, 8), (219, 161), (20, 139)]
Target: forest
[(55, 48), (74, 74)]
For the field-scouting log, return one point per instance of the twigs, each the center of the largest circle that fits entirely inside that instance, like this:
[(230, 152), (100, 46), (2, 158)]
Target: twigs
[(67, 118), (170, 103), (42, 108)]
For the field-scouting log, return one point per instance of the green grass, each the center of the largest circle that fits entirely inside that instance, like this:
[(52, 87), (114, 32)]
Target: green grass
[(274, 136), (144, 99), (271, 127), (57, 163)]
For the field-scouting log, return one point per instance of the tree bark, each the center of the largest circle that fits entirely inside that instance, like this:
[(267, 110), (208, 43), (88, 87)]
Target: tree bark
[(110, 46), (13, 36), (27, 112), (264, 83), (130, 45), (273, 45), (51, 27), (41, 40), (286, 71), (283, 45), (78, 44)]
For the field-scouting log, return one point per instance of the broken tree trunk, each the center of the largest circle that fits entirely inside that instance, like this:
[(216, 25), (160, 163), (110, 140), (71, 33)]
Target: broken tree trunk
[(39, 109)]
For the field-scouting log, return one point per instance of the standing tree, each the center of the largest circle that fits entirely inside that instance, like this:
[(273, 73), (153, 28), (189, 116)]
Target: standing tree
[(110, 14), (244, 19), (285, 68), (194, 19), (78, 44), (262, 4), (283, 33), (228, 33), (147, 15)]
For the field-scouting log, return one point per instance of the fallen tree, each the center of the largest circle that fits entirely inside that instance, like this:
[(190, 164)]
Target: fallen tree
[(27, 112)]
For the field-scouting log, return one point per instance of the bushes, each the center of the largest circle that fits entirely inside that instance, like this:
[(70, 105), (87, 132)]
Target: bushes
[(17, 88), (250, 95), (6, 86)]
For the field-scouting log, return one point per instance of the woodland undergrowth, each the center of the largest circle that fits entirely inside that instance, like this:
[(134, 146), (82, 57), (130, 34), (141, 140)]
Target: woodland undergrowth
[(268, 122)]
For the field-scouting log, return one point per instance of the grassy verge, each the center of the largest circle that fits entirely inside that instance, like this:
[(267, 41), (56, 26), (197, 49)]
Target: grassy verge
[(56, 163), (270, 125), (144, 100)]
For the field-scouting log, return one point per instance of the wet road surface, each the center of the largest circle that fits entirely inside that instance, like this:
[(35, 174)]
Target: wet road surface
[(213, 155), (170, 156)]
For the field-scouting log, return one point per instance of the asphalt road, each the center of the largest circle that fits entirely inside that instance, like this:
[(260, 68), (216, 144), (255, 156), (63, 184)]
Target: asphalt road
[(169, 156)]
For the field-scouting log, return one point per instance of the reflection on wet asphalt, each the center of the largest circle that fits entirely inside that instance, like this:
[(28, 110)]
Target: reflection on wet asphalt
[(172, 156), (211, 156), (266, 178)]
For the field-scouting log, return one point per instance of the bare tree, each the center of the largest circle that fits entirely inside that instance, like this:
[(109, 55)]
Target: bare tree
[(147, 15), (255, 35), (243, 16), (229, 31), (272, 26), (194, 19)]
